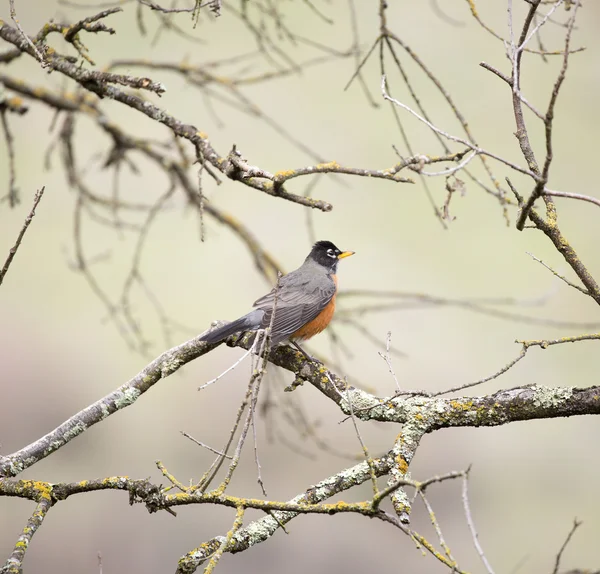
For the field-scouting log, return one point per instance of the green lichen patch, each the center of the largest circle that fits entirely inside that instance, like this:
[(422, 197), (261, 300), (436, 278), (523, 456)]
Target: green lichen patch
[(548, 398), (127, 397)]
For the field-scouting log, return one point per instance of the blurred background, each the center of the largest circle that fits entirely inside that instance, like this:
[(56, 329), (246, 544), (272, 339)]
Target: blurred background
[(61, 351)]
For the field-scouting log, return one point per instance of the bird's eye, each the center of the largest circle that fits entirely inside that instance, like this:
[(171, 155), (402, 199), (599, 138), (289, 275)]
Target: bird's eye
[(331, 253)]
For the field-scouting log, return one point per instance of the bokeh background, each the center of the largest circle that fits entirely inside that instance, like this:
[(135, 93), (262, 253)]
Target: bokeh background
[(59, 352)]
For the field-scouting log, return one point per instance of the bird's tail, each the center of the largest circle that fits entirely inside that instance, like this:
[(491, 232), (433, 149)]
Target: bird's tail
[(249, 322)]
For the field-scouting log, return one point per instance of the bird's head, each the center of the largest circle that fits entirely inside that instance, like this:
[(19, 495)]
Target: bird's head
[(327, 254)]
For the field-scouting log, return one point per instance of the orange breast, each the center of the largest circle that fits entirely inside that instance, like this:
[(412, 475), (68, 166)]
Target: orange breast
[(320, 322)]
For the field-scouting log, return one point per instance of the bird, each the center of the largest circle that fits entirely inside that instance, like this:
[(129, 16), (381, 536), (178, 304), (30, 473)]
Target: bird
[(304, 302)]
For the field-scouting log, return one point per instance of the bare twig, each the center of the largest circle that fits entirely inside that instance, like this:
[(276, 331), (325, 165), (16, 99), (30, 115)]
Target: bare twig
[(556, 274), (388, 360), (550, 228), (159, 8), (237, 524), (15, 247), (199, 443), (421, 542), (230, 368), (462, 141), (469, 517), (38, 55), (13, 193), (549, 116), (576, 525), (570, 195), (545, 343), (498, 373), (363, 445), (436, 526)]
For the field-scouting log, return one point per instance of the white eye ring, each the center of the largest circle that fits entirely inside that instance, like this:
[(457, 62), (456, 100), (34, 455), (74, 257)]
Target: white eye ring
[(331, 253)]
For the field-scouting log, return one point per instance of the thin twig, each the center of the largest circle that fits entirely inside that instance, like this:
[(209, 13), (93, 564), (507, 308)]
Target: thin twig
[(545, 343), (571, 195), (237, 524), (436, 525), (186, 435), (13, 192), (258, 373), (362, 442), (469, 517), (230, 368), (15, 247), (548, 120), (388, 359), (576, 525), (38, 55), (503, 370), (470, 145), (556, 274), (420, 541)]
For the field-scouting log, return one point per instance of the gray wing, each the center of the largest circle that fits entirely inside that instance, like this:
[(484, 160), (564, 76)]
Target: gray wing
[(298, 302)]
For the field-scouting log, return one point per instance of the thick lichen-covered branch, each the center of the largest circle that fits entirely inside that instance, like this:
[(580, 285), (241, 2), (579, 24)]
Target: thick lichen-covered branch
[(522, 403), (163, 366), (155, 499), (14, 563), (505, 406)]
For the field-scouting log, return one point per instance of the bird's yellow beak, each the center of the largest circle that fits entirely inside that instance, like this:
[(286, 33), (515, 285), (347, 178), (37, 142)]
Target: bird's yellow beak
[(345, 254)]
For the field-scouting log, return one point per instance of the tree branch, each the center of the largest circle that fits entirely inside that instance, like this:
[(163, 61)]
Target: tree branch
[(13, 251)]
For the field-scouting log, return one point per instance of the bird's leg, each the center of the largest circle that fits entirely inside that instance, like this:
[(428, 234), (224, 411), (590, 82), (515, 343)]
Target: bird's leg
[(308, 357)]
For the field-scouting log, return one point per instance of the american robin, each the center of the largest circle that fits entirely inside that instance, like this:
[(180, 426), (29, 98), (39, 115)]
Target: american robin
[(304, 301)]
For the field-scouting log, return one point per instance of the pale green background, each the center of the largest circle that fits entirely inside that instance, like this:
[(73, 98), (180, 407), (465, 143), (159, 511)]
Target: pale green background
[(59, 353)]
